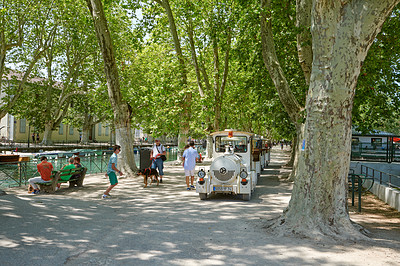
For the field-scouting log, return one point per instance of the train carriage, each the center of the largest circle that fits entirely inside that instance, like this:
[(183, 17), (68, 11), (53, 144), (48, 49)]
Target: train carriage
[(236, 165)]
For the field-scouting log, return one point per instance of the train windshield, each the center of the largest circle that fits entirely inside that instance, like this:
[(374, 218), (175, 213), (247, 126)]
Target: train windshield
[(238, 143)]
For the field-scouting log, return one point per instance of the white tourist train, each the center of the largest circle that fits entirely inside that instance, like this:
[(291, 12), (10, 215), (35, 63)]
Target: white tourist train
[(237, 161)]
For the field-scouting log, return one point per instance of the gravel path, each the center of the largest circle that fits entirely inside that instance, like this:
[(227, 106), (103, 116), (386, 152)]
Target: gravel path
[(167, 225)]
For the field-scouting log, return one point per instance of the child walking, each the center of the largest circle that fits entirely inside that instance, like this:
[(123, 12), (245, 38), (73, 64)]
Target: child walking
[(112, 170)]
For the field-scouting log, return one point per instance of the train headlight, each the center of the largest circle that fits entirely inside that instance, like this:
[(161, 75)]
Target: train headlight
[(201, 174), (243, 174)]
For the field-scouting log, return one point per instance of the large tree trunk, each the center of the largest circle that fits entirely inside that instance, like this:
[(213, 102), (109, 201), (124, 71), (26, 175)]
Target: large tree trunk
[(209, 146), (86, 128), (48, 131), (187, 99), (296, 147), (292, 152), (184, 131), (342, 34), (121, 109), (124, 138)]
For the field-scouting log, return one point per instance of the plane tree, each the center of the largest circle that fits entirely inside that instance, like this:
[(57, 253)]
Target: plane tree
[(341, 34), (64, 65), (201, 34), (25, 35), (122, 110), (377, 101)]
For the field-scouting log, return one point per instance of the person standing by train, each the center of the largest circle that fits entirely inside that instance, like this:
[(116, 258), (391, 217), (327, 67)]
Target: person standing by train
[(157, 155), (189, 163)]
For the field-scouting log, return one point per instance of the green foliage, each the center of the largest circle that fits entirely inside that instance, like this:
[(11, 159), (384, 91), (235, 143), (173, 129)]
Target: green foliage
[(150, 74), (376, 101)]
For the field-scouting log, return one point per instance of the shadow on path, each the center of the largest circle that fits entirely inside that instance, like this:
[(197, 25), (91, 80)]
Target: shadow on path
[(164, 225)]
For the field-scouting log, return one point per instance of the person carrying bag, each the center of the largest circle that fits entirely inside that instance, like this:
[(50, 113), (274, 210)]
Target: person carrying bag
[(157, 154)]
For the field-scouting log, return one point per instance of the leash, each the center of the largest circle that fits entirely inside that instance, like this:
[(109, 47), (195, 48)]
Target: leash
[(152, 161)]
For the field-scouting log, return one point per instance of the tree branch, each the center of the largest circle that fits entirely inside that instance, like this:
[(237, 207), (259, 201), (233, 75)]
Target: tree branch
[(194, 58), (304, 38), (226, 65), (271, 62)]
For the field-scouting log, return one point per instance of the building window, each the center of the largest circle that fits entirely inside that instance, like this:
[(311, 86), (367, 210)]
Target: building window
[(71, 130), (61, 129), (99, 130), (107, 131), (137, 133), (22, 126)]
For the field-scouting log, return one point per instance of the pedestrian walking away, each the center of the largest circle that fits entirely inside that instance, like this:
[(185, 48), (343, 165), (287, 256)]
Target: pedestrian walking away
[(112, 171), (156, 154), (189, 156)]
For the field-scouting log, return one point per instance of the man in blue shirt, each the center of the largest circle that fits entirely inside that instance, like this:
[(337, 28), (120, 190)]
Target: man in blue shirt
[(112, 170), (189, 163)]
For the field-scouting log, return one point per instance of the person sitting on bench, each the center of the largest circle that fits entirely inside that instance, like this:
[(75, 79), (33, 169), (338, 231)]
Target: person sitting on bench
[(44, 169), (71, 165), (77, 163)]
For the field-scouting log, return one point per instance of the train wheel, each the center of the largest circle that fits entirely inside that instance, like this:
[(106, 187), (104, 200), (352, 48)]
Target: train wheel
[(246, 197), (203, 196)]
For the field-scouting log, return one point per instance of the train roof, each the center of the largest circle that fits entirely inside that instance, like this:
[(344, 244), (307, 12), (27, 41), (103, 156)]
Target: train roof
[(235, 133)]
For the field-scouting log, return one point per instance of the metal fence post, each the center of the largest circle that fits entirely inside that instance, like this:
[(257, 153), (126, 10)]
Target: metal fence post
[(352, 190), (359, 193)]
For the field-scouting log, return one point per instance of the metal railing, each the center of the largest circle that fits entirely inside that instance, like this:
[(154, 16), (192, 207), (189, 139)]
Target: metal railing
[(390, 180), (18, 173), (13, 173), (356, 184), (387, 149)]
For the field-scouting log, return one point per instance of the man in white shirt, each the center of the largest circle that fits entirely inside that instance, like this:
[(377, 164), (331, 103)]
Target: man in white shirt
[(189, 163), (155, 155)]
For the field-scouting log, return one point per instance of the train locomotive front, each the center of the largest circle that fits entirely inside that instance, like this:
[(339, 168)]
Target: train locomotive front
[(231, 171)]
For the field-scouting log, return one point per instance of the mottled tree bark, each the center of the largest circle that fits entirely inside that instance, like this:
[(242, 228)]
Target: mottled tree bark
[(122, 112), (342, 33)]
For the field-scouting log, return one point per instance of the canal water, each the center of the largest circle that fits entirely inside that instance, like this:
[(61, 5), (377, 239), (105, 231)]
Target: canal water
[(18, 174)]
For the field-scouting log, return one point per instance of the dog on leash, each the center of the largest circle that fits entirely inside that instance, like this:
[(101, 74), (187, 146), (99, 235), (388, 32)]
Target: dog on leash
[(149, 172)]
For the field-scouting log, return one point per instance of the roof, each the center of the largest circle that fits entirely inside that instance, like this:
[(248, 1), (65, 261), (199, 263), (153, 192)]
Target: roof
[(16, 75), (371, 133)]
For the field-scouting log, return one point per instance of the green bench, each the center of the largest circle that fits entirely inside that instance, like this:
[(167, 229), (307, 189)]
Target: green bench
[(76, 178)]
